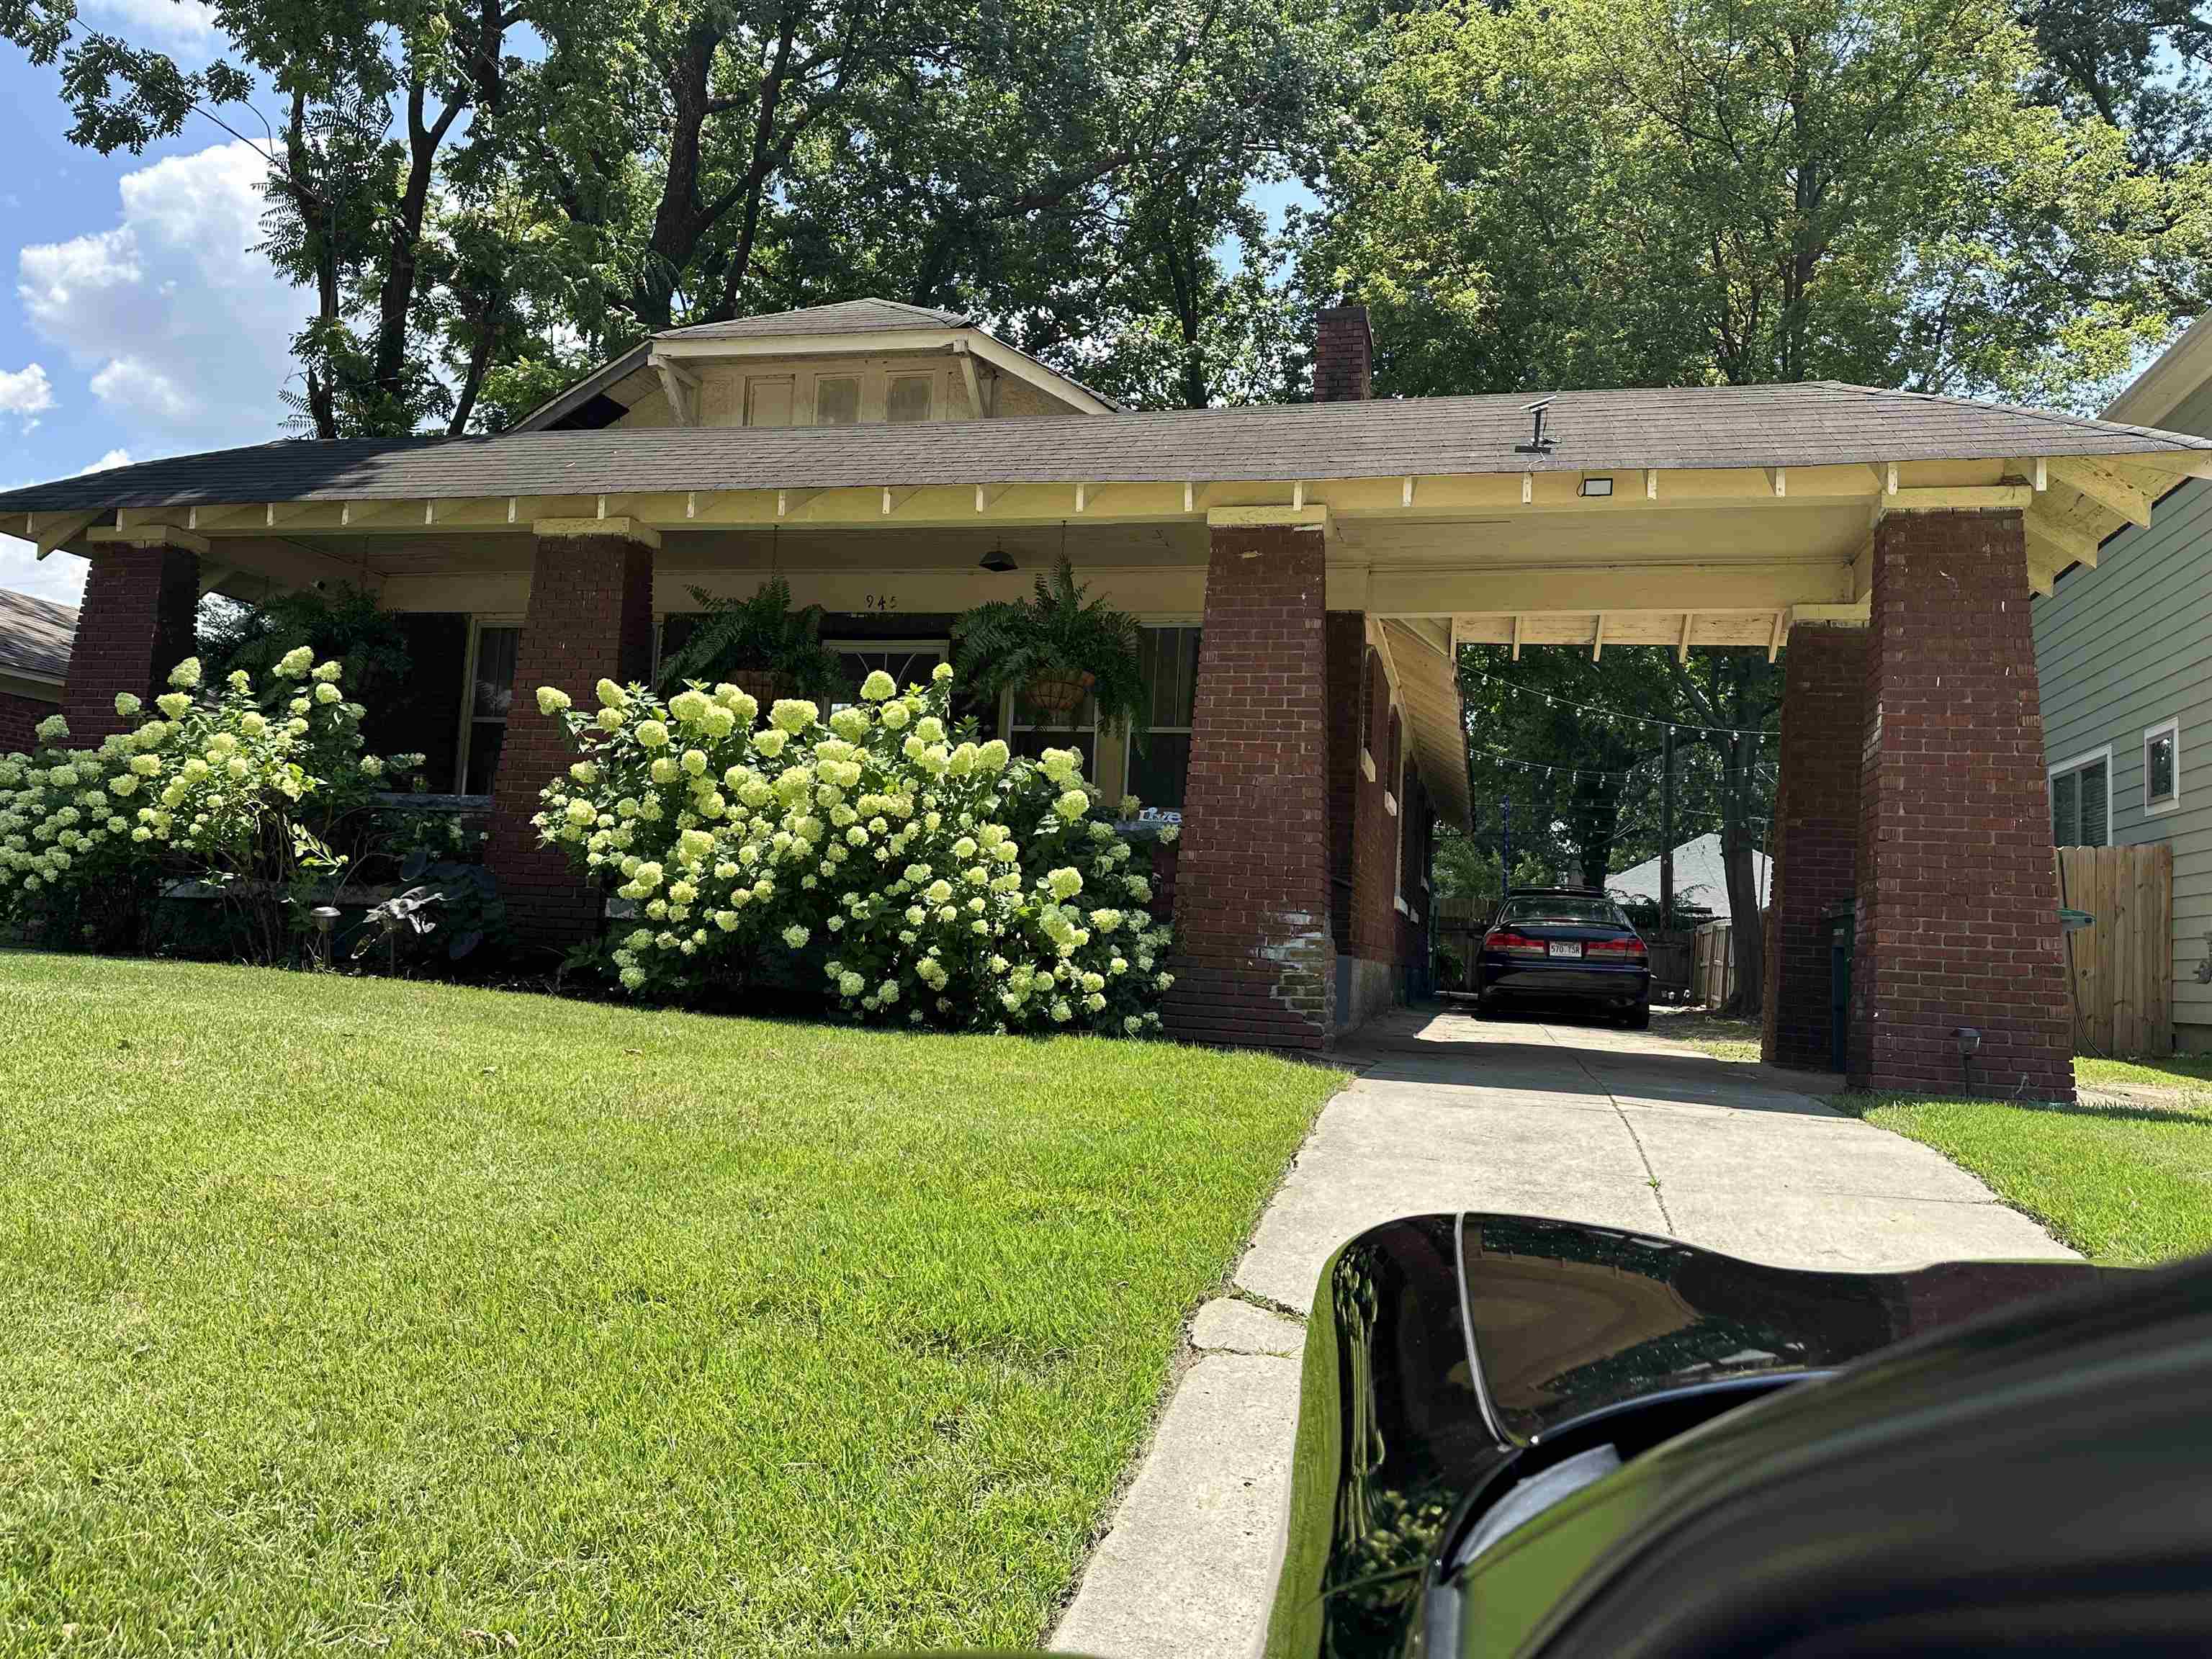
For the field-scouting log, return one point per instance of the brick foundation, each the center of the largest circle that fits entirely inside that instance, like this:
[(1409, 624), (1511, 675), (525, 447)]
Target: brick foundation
[(134, 624), (1816, 835), (590, 618), (1958, 917), (1256, 964)]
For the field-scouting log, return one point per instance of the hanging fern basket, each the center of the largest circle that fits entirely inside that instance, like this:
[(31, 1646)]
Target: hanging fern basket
[(758, 683), (1054, 695)]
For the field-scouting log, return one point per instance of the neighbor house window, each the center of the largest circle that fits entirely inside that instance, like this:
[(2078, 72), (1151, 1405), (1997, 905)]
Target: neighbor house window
[(911, 397), (768, 401), (908, 662), (837, 400), (2161, 768), (2082, 800), (490, 691), (1159, 756)]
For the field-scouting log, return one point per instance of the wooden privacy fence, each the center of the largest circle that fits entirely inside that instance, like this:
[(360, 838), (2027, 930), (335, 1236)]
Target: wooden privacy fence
[(2121, 966), (1712, 964)]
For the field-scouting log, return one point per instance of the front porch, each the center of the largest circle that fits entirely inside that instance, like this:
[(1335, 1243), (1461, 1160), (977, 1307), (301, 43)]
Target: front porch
[(1311, 570)]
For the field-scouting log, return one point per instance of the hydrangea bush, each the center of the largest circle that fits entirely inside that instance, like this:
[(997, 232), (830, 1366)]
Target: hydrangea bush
[(248, 790), (936, 880)]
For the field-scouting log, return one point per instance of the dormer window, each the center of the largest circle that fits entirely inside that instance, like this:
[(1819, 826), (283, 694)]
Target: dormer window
[(912, 397), (768, 400), (837, 400)]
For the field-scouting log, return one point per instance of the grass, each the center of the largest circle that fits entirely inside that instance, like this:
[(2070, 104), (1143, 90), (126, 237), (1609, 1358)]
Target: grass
[(1716, 1035), (2124, 1183), (424, 1320), (2188, 1074)]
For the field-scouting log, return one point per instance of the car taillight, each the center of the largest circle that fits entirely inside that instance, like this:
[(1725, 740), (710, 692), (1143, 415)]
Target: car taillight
[(1615, 947), (1506, 943)]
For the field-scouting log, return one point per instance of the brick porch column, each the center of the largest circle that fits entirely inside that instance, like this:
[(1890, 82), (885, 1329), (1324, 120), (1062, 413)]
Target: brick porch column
[(136, 622), (1958, 912), (1816, 833), (1255, 963), (590, 618)]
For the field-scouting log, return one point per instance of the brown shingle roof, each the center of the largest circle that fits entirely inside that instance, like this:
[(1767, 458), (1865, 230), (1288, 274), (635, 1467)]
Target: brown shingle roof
[(35, 635), (1700, 427)]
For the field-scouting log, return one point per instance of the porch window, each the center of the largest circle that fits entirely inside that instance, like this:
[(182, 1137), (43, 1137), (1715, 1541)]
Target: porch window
[(2082, 800), (912, 397), (2161, 767), (1032, 730), (490, 692), (908, 662), (1158, 774)]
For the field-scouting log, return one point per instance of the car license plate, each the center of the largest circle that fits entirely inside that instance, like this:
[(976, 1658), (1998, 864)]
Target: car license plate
[(1567, 947)]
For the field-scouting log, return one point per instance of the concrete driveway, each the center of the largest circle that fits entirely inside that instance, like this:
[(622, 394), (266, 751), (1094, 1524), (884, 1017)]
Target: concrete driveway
[(1449, 1112)]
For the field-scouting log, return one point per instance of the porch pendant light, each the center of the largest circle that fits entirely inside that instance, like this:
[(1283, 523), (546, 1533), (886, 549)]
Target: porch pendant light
[(998, 561)]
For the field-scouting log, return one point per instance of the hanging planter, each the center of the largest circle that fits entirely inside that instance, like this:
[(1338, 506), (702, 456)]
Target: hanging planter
[(1053, 652), (1055, 694), (762, 644)]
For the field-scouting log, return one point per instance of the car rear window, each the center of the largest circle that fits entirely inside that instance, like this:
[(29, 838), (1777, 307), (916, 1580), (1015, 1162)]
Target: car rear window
[(1581, 912)]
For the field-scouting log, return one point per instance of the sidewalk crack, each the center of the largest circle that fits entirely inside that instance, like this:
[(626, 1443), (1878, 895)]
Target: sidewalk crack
[(1650, 1174)]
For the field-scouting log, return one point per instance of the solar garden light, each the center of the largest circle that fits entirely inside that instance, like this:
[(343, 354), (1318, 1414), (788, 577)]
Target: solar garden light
[(325, 918)]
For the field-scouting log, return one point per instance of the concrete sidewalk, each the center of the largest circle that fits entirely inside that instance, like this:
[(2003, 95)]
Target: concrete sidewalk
[(1448, 1113)]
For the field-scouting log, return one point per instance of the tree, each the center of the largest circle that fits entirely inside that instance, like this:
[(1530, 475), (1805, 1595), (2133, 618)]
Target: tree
[(1613, 191), (373, 94)]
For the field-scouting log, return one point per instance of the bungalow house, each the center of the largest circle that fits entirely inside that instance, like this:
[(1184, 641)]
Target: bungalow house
[(1305, 573), (2124, 649), (34, 654)]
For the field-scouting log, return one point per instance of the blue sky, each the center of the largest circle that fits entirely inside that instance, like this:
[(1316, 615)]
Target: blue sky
[(137, 321)]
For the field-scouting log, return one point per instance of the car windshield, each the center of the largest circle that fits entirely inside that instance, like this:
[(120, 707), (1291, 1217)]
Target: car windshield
[(1581, 912)]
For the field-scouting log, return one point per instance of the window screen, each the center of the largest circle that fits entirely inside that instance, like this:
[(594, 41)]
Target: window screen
[(909, 399), (837, 401), (768, 402)]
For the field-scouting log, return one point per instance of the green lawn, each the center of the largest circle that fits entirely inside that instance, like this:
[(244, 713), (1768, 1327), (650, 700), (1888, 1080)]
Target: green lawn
[(2119, 1183), (346, 1313), (2188, 1074)]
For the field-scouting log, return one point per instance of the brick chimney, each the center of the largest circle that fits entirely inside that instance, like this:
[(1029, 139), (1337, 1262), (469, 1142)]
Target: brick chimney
[(1344, 355)]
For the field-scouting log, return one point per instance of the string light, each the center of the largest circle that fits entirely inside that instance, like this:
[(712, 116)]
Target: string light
[(1551, 700)]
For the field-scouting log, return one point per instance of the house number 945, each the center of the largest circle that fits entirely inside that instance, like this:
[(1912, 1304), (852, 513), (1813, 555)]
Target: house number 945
[(883, 601)]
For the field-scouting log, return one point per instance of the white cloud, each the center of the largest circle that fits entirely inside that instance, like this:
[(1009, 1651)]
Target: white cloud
[(114, 458), (25, 392), (180, 327), (185, 28), (59, 576)]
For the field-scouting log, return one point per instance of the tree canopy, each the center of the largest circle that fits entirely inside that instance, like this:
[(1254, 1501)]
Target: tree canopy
[(1890, 192)]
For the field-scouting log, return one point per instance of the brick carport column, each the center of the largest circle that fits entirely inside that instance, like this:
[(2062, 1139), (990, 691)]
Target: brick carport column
[(590, 618), (1816, 833), (136, 622), (1958, 900), (1255, 963)]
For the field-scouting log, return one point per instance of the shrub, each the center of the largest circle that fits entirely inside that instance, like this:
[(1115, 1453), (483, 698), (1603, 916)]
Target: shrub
[(261, 795), (937, 880)]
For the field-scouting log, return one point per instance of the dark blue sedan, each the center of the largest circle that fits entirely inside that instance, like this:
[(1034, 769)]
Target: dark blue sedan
[(1564, 944)]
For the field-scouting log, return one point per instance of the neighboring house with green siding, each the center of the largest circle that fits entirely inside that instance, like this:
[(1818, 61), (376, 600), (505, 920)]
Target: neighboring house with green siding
[(2123, 651)]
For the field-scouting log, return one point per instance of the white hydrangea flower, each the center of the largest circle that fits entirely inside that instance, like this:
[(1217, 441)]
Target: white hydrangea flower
[(551, 700), (185, 676)]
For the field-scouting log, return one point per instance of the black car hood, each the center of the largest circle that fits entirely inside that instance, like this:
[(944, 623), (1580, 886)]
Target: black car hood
[(1446, 1351)]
